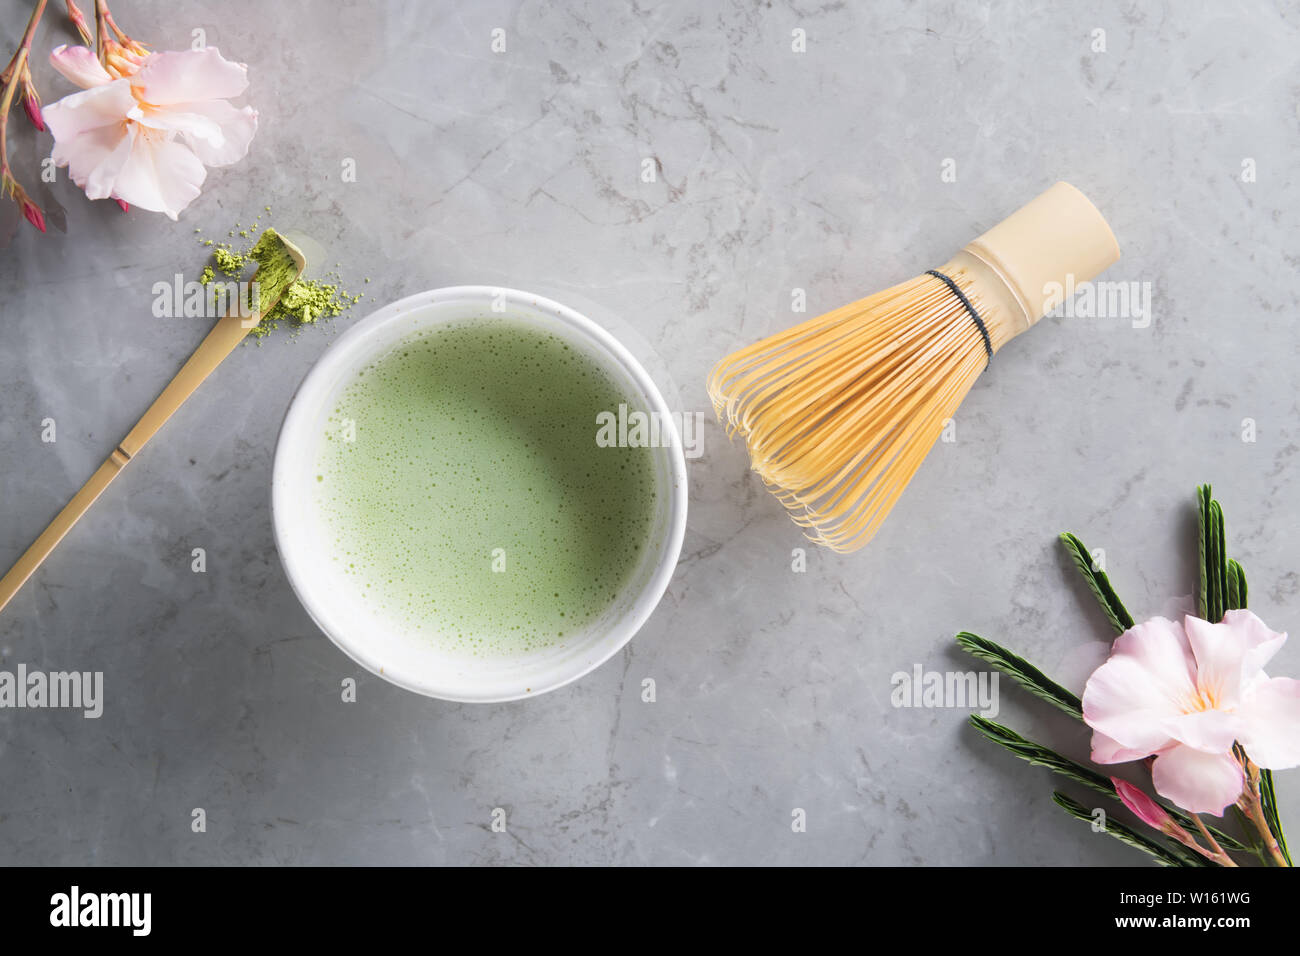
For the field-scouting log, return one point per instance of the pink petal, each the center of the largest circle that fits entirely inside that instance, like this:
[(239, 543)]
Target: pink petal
[(1218, 650), (1106, 750), (1270, 719), (90, 133), (80, 65), (89, 151), (176, 119), (161, 175), (218, 133), (99, 180), (188, 76), (92, 109), (1260, 642), (1230, 656), (237, 126), (1212, 731), (1141, 687), (1196, 781)]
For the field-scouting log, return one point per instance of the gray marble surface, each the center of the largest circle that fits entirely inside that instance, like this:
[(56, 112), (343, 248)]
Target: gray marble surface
[(819, 170)]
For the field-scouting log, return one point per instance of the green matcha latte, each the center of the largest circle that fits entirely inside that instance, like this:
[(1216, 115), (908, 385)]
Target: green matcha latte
[(464, 493)]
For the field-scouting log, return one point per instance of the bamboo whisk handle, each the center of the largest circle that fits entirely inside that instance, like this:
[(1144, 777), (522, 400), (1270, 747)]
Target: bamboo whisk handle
[(1052, 243)]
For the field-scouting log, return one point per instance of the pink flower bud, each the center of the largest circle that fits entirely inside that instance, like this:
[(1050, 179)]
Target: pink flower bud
[(33, 112), (32, 213), (79, 21), (1142, 806), (32, 102)]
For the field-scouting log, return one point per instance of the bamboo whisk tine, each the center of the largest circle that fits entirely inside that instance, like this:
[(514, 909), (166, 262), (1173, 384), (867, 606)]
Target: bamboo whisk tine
[(839, 412)]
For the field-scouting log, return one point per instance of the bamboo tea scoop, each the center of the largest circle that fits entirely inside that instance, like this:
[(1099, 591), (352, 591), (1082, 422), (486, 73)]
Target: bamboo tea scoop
[(280, 263)]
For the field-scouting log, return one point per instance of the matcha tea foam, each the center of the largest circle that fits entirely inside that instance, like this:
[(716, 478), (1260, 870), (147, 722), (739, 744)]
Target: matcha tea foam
[(465, 495)]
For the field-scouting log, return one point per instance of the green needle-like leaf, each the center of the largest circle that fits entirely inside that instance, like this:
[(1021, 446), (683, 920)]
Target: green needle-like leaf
[(1163, 855), (1220, 560), (1040, 756), (1202, 535), (1268, 797), (1210, 550), (1098, 583), (1022, 672), (1237, 586)]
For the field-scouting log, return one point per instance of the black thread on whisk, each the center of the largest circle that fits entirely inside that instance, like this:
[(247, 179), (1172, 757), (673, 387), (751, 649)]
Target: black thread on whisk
[(979, 323)]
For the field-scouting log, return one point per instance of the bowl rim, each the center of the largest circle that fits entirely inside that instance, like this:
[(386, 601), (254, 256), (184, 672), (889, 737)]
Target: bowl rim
[(338, 355)]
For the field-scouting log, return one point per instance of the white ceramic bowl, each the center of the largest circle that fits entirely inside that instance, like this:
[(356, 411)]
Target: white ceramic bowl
[(380, 646)]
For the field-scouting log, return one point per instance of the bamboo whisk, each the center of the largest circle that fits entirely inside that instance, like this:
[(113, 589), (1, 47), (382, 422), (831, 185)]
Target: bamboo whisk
[(839, 412)]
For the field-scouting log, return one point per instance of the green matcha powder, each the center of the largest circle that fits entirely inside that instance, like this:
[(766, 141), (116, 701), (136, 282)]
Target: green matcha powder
[(305, 302)]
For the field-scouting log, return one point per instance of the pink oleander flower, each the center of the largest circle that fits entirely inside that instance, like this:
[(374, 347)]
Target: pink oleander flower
[(142, 130), (1186, 694)]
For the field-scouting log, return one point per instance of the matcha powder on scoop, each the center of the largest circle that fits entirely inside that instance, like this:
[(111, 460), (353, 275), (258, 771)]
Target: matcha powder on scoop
[(305, 302)]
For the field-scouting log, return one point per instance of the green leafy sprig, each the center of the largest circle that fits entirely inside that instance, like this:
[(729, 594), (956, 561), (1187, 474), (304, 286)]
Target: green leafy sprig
[(1165, 855), (1222, 588), (1041, 756)]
